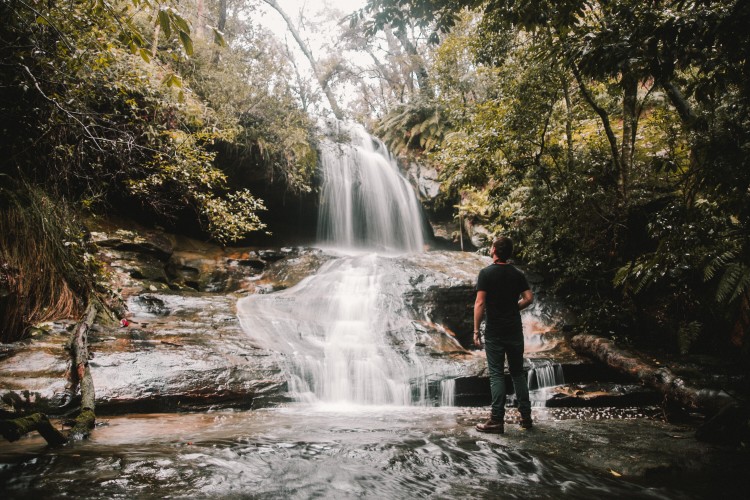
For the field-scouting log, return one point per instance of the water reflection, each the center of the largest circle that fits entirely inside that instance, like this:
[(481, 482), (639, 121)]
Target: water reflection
[(301, 451)]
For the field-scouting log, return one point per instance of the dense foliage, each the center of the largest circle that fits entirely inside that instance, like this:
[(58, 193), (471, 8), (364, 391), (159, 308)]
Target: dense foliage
[(610, 138), (103, 110)]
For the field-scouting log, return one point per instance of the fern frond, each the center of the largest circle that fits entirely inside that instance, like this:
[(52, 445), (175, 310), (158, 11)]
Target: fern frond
[(731, 284), (743, 284), (721, 261)]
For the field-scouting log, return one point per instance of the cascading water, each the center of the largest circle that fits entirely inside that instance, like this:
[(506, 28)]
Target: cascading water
[(332, 326), (365, 202), (545, 373), (543, 376)]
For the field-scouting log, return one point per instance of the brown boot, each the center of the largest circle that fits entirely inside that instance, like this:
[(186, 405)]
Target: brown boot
[(526, 422), (491, 425)]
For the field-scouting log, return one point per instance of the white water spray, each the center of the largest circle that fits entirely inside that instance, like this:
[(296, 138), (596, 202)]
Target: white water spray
[(333, 326), (365, 202)]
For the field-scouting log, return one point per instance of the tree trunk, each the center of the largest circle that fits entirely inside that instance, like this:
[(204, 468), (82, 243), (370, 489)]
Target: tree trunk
[(657, 377), (222, 15), (629, 119), (80, 375), (603, 115), (568, 121), (155, 43), (416, 65), (199, 19), (306, 51), (220, 26), (12, 430), (679, 102)]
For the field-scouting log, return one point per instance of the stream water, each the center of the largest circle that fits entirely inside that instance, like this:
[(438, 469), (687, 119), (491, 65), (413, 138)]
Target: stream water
[(304, 451)]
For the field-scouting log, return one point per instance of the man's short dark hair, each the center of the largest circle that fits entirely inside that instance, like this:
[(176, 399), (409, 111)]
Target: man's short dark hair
[(503, 247)]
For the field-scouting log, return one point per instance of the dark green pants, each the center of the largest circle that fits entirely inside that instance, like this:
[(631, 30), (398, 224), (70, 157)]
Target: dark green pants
[(497, 351)]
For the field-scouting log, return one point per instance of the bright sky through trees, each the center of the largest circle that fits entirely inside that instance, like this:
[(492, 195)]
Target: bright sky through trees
[(317, 21)]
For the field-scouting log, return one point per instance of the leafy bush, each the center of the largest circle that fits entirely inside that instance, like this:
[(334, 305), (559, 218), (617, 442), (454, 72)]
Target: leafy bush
[(110, 129)]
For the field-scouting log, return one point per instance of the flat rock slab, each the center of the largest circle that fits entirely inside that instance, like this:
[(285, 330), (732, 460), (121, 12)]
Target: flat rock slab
[(181, 351), (33, 373)]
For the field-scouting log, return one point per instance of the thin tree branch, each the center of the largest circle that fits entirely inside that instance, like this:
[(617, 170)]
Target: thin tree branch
[(603, 115)]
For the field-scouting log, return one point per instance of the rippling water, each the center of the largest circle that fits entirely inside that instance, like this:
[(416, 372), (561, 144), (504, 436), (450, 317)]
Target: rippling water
[(303, 451)]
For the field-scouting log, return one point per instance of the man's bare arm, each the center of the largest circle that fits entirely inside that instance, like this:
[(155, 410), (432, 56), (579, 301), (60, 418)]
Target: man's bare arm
[(527, 298), (478, 316)]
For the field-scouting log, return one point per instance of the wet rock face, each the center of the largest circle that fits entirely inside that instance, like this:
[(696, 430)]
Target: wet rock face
[(289, 268), (142, 260), (181, 351), (443, 290), (182, 346), (425, 180), (435, 288), (33, 372)]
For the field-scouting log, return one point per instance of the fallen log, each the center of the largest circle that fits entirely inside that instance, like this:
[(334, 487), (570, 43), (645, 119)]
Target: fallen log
[(12, 430), (79, 378), (80, 375), (709, 401)]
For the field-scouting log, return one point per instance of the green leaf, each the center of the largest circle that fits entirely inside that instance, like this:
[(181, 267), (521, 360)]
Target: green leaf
[(181, 24), (42, 21), (172, 80), (187, 43), (145, 55), (219, 37), (164, 23)]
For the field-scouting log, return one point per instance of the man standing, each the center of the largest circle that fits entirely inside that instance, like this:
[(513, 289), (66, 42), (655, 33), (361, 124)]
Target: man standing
[(502, 291)]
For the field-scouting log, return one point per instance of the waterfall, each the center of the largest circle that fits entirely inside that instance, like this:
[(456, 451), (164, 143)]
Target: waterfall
[(365, 202), (545, 373), (330, 327), (333, 326), (447, 392), (543, 376)]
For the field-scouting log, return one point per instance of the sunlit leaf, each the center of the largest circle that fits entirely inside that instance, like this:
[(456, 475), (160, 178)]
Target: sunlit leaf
[(219, 37), (181, 24), (172, 80), (164, 23), (187, 43)]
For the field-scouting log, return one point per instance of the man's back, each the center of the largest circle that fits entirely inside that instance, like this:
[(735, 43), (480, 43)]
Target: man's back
[(503, 284)]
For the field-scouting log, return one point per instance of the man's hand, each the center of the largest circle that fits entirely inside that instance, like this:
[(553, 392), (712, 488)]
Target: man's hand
[(477, 339)]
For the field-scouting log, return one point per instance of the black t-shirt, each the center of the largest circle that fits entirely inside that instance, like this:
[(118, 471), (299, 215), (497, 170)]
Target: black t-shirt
[(504, 284)]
